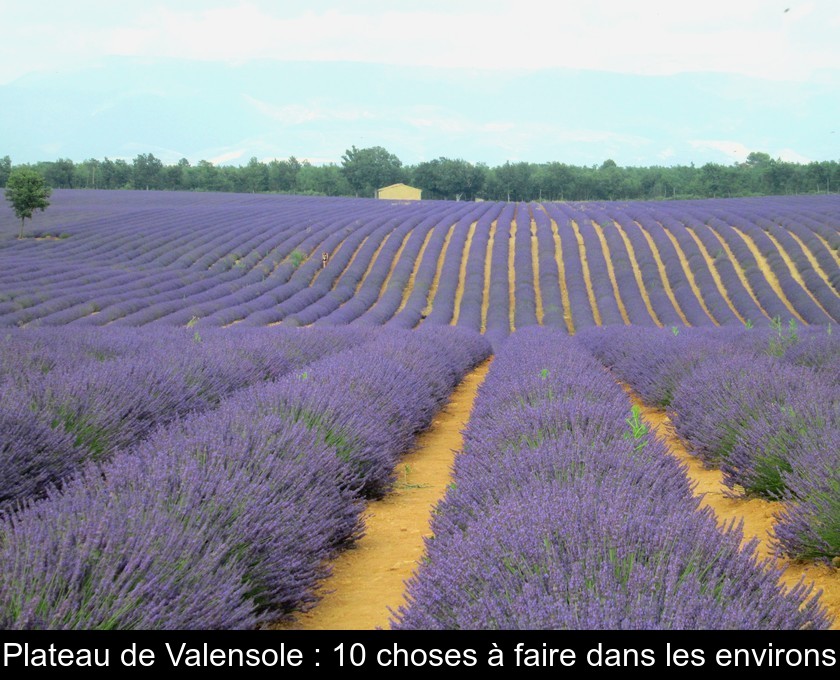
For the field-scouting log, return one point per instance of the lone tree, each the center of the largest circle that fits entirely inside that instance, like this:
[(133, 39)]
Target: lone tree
[(27, 191)]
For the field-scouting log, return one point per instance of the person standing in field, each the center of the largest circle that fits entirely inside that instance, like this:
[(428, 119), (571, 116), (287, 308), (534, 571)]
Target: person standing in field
[(324, 259)]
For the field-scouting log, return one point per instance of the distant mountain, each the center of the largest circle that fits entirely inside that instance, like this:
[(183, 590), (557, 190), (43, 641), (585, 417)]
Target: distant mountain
[(121, 107)]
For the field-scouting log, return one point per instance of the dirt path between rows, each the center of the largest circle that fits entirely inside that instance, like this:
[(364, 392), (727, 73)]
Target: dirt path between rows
[(689, 275), (587, 277), (768, 273), (368, 579), (599, 232), (637, 273), (713, 270), (758, 515), (462, 275)]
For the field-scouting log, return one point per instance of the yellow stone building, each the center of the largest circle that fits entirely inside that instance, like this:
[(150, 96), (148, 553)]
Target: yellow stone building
[(400, 192)]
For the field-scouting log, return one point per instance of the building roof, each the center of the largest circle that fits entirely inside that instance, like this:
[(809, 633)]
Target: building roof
[(399, 184)]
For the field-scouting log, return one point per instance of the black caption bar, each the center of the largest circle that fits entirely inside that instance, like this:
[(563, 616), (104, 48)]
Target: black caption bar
[(298, 652)]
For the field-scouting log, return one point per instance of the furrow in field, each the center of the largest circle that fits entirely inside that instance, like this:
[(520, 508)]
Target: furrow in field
[(435, 281), (586, 276), (485, 300), (689, 275), (368, 581), (768, 273), (758, 515), (663, 275), (348, 265), (637, 273), (535, 265), (739, 270), (611, 271), (373, 260), (815, 265), (462, 274), (512, 273), (333, 254), (794, 272), (715, 273), (393, 266), (561, 274), (831, 251), (411, 278)]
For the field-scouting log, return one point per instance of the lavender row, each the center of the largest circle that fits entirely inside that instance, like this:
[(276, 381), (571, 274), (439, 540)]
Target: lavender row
[(226, 520), (441, 309), (524, 293), (120, 384), (720, 311), (415, 309), (554, 312), (372, 289), (166, 258), (762, 405), (498, 321), (472, 300), (563, 515), (580, 312)]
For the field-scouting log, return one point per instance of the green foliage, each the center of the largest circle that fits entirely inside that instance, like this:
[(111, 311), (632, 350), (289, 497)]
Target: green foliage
[(27, 191), (782, 338), (675, 330), (748, 324), (370, 169), (296, 257), (364, 170), (638, 428)]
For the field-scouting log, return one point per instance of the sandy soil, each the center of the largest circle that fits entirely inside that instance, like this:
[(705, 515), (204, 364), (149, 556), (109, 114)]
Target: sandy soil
[(512, 274), (689, 275), (794, 272), (828, 247), (535, 266), (611, 272), (561, 272), (410, 286), (663, 275), (767, 271), (485, 299), (637, 273), (368, 579), (436, 281), (396, 259), (739, 270), (462, 274), (372, 262), (715, 274), (757, 514), (815, 265), (586, 276)]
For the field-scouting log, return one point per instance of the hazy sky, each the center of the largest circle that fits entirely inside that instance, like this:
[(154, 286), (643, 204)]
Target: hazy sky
[(784, 40), (768, 38)]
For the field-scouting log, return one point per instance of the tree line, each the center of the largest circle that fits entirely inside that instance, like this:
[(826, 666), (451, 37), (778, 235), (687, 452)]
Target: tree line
[(362, 171)]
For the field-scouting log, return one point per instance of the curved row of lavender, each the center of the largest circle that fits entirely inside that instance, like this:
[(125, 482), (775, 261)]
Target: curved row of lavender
[(762, 405), (561, 517), (169, 258), (68, 395), (225, 520)]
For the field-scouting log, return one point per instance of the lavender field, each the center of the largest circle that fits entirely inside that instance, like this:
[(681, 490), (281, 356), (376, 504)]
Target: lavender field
[(112, 258), (195, 408)]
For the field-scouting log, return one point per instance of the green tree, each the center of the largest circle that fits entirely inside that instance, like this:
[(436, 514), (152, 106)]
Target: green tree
[(5, 170), (370, 169), (27, 191), (146, 170)]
